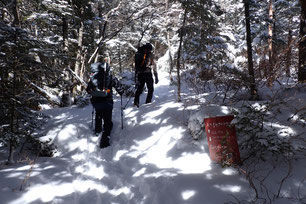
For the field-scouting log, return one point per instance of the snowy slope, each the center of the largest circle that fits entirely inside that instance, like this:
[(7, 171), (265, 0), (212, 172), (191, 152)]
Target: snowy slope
[(152, 160)]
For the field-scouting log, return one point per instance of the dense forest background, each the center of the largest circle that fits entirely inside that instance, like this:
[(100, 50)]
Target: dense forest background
[(47, 45)]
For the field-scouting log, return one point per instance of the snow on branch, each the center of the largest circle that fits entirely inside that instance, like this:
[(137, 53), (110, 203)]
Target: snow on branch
[(77, 77), (50, 97)]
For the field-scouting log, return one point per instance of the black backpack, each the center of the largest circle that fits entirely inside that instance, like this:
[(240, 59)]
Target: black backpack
[(141, 59), (100, 78)]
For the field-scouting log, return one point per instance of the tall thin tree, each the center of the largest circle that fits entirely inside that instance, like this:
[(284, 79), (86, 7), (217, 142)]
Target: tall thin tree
[(302, 43), (249, 50), (178, 58), (270, 44)]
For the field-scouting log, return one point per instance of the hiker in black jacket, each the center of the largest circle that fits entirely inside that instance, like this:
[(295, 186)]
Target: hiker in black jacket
[(144, 64), (100, 88)]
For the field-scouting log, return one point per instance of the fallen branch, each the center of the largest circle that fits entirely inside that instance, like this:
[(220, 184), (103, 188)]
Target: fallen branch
[(51, 98), (283, 180), (77, 77)]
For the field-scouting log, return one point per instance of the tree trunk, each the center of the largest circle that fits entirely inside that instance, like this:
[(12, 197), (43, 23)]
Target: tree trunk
[(270, 44), (169, 44), (15, 12), (302, 43), (288, 53), (65, 34), (178, 59), (13, 117), (170, 57), (12, 120), (77, 68), (100, 10), (119, 58), (99, 45), (249, 50)]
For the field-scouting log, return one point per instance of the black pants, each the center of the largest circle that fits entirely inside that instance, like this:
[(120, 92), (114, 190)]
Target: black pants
[(104, 111), (144, 79)]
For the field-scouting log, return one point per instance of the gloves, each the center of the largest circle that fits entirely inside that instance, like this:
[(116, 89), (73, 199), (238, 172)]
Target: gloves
[(120, 92), (156, 77)]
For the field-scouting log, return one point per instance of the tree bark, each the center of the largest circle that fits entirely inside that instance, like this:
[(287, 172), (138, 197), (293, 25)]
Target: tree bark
[(119, 58), (270, 44), (15, 12), (302, 44), (13, 117), (288, 53), (169, 44), (12, 120), (270, 31), (78, 62), (170, 57), (249, 50), (178, 59), (100, 11), (65, 34)]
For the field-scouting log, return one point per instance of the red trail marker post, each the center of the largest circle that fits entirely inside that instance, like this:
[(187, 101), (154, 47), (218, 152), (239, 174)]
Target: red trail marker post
[(222, 140)]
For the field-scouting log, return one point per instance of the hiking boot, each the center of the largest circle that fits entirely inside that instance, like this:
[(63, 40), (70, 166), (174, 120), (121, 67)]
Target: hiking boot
[(136, 104), (104, 142), (97, 133)]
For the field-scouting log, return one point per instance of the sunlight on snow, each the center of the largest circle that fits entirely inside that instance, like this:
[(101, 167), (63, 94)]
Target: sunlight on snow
[(61, 116), (45, 193), (66, 133), (188, 194), (225, 110), (139, 172), (94, 170), (229, 188), (81, 144), (78, 157), (284, 131), (193, 107), (160, 111), (156, 148), (15, 175), (209, 176), (116, 192), (163, 173), (119, 154), (229, 172), (150, 120), (297, 118), (162, 141), (85, 185)]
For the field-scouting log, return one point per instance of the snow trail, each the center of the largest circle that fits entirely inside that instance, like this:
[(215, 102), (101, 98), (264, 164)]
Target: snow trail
[(153, 160)]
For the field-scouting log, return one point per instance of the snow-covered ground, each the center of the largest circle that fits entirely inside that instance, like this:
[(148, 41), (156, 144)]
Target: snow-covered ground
[(152, 160)]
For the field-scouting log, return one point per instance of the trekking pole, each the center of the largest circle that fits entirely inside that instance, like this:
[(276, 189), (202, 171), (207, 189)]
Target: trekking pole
[(121, 113), (134, 89), (92, 117)]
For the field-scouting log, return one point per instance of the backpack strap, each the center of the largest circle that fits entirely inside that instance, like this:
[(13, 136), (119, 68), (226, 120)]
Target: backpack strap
[(144, 59), (104, 75)]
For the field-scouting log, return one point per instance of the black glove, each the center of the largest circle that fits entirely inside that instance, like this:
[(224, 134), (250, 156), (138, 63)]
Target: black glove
[(120, 92), (156, 78)]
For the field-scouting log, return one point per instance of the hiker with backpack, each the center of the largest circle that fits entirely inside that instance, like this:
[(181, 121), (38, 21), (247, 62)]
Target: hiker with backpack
[(144, 64), (100, 88)]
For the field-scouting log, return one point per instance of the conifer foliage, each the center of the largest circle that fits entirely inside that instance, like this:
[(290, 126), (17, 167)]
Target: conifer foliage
[(47, 45)]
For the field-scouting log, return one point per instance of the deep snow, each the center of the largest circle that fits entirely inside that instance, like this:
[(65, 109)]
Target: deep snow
[(152, 160)]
